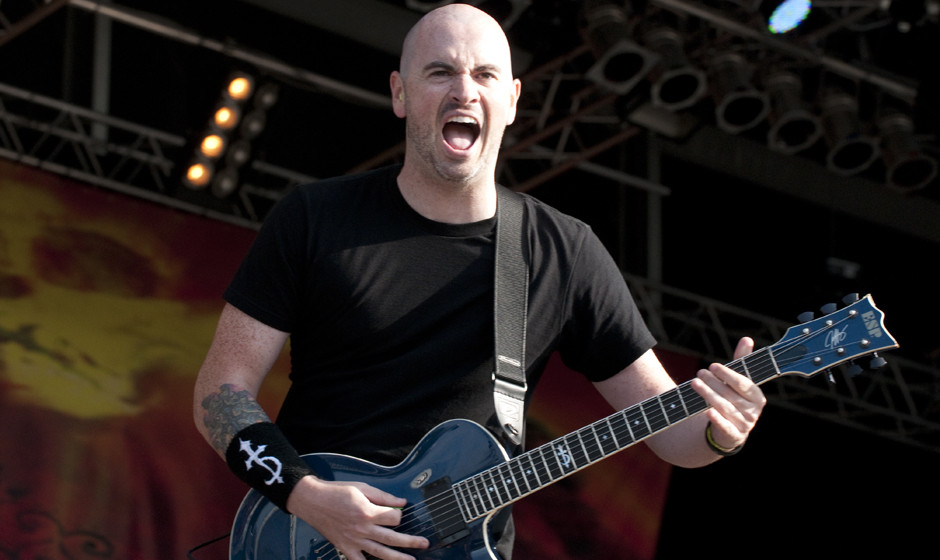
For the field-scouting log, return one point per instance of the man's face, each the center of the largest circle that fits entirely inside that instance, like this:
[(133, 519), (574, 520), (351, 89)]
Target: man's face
[(458, 95)]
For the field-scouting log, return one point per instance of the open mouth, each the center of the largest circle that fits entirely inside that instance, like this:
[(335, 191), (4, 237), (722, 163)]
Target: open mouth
[(461, 132)]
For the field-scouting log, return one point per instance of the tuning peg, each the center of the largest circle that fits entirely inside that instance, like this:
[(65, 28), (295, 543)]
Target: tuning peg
[(849, 299), (830, 378), (829, 308), (853, 369), (877, 362), (805, 316)]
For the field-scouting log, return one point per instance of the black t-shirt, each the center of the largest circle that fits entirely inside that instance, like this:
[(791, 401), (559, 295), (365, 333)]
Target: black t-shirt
[(391, 314)]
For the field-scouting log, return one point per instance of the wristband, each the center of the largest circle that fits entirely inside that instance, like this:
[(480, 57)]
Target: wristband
[(723, 451), (262, 457)]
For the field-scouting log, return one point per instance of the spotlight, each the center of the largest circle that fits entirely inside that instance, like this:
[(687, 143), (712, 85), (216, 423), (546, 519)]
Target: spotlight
[(786, 15), (225, 183), (739, 106), (851, 150), (621, 63), (226, 117), (240, 87), (267, 96), (253, 124), (793, 127), (677, 84), (198, 174), (212, 146), (908, 168)]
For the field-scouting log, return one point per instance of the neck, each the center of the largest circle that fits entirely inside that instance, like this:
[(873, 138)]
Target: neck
[(448, 202)]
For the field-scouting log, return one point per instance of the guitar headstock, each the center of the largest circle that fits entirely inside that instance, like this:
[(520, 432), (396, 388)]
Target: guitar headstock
[(842, 335)]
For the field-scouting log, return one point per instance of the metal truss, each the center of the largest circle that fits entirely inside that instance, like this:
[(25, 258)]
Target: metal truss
[(899, 402), (564, 122)]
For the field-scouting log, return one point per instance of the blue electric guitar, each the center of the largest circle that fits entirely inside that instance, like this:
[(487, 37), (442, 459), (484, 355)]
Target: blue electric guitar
[(459, 476)]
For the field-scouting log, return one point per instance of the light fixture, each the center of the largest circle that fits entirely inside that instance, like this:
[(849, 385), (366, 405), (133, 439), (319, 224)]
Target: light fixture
[(677, 84), (226, 117), (794, 128), (908, 168), (212, 145), (198, 174), (240, 87), (785, 15), (620, 62), (739, 106), (851, 149)]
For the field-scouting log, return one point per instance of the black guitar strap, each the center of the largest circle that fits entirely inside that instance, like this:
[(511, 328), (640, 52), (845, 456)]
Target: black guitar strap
[(511, 288)]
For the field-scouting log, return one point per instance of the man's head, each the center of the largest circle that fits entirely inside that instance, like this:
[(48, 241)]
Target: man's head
[(456, 91)]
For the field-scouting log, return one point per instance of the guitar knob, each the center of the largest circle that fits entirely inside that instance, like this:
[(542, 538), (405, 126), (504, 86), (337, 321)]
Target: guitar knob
[(849, 299), (805, 317), (829, 308)]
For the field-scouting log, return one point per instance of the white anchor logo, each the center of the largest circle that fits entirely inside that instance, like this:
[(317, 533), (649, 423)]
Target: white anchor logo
[(254, 456)]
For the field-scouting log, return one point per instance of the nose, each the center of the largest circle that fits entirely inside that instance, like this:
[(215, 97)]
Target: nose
[(464, 89)]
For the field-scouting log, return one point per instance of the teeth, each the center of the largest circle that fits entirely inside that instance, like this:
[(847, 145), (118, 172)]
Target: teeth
[(463, 120)]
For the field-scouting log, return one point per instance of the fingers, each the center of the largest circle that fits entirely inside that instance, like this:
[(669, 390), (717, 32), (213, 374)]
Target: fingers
[(736, 402)]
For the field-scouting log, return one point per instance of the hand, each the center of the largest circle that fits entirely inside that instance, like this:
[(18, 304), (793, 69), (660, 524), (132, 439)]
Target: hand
[(736, 401), (354, 517)]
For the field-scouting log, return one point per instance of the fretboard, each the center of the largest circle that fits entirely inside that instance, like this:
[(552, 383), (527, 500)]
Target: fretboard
[(531, 471)]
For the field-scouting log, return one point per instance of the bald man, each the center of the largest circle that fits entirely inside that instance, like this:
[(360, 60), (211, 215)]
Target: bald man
[(383, 283)]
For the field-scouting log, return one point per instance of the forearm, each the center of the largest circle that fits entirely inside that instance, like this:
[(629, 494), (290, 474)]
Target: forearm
[(225, 411)]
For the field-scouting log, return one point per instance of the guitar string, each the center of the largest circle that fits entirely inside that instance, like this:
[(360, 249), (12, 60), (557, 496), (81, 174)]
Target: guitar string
[(591, 446)]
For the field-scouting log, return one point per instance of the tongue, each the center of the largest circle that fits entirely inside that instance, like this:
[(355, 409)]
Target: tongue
[(458, 136)]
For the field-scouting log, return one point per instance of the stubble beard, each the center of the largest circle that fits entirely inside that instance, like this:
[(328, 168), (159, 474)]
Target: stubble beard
[(424, 139)]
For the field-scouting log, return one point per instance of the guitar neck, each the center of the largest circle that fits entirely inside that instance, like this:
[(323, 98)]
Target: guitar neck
[(503, 484)]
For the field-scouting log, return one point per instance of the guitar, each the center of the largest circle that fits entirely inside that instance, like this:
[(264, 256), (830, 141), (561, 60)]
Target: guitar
[(458, 476)]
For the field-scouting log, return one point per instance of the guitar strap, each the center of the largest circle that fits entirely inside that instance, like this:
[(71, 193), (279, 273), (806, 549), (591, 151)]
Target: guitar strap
[(511, 289)]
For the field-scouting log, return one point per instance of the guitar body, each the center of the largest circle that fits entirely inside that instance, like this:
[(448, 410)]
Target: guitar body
[(452, 451), (458, 477)]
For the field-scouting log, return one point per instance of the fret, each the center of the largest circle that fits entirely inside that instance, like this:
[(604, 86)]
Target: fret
[(655, 414), (694, 403), (621, 427), (552, 466), (591, 446), (636, 421), (470, 500), (574, 443), (529, 470), (563, 457), (597, 445), (509, 482), (479, 485), (518, 474), (606, 438), (673, 406), (493, 488)]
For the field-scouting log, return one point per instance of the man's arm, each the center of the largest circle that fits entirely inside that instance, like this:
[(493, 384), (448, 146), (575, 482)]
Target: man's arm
[(735, 405), (354, 517)]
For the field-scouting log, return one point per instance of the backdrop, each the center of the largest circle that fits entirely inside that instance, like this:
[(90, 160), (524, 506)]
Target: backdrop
[(107, 305)]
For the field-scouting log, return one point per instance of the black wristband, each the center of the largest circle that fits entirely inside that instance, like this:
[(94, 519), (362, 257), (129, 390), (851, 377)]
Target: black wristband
[(262, 457)]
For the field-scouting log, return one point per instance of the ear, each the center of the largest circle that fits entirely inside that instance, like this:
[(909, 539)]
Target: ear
[(516, 92), (397, 85)]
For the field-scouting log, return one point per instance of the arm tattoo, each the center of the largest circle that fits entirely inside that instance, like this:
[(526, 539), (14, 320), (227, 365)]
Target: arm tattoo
[(228, 412)]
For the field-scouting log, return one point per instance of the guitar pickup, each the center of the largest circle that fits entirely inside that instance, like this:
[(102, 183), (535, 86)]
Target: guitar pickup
[(441, 502)]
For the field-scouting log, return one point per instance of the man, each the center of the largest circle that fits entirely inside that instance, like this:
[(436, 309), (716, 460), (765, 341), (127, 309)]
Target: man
[(383, 282)]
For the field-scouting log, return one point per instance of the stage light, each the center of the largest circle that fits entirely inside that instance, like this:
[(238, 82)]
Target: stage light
[(240, 88), (786, 15), (676, 83), (620, 62), (198, 174), (267, 96), (793, 127), (908, 168), (226, 117), (212, 146), (851, 149), (225, 182), (253, 124), (739, 106)]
